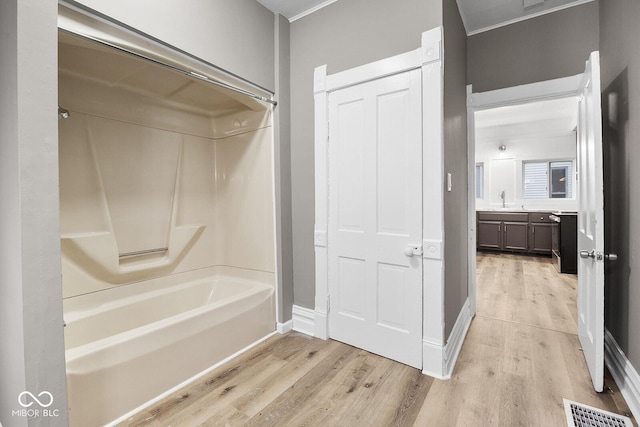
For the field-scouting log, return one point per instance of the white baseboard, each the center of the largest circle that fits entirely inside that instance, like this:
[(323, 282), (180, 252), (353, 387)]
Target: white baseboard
[(285, 327), (456, 338), (623, 372), (321, 325), (433, 359), (303, 320), (438, 360)]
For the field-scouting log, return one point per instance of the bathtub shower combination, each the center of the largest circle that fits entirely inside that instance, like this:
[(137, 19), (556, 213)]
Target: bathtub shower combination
[(167, 227)]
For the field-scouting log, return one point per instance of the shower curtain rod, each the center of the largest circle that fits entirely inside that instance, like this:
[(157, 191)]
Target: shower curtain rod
[(174, 68)]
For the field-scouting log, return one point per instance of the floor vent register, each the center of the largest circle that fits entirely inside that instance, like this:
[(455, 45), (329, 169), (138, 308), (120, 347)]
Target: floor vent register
[(579, 415)]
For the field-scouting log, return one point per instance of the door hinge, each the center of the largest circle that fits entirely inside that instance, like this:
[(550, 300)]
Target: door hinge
[(328, 303)]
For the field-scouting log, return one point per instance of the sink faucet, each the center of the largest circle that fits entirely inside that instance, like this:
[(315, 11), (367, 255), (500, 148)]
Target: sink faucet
[(503, 198)]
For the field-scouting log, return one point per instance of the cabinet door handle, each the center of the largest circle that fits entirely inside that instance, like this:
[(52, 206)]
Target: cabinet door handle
[(534, 229)]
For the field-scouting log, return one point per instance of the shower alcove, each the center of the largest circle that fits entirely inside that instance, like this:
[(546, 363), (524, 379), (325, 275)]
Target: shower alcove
[(167, 227)]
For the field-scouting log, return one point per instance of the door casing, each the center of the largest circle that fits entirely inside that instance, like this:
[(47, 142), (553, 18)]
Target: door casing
[(429, 59), (550, 89)]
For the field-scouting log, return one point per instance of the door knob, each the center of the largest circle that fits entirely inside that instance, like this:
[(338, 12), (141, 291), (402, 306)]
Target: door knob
[(598, 255), (587, 254), (413, 250)]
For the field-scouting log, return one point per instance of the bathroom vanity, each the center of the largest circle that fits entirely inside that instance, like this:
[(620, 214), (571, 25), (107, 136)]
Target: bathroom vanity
[(514, 231)]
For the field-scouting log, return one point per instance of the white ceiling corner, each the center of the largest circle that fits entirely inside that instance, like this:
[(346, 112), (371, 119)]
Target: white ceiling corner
[(477, 15), (484, 15), (295, 9)]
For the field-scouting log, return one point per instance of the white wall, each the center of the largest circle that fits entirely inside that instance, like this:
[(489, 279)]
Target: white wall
[(503, 170), (235, 35)]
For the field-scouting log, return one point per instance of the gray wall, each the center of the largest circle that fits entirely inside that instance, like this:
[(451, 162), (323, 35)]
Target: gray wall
[(455, 162), (282, 120), (236, 35), (547, 47), (32, 354), (343, 35), (620, 68)]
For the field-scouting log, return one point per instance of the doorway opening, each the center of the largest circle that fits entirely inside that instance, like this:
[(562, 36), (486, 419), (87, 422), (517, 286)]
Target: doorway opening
[(517, 137), (523, 167), (504, 228), (525, 212)]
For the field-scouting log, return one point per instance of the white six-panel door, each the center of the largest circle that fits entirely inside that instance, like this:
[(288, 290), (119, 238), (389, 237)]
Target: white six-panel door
[(375, 216), (591, 223)]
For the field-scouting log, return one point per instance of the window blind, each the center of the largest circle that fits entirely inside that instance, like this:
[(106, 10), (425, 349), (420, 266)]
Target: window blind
[(536, 180)]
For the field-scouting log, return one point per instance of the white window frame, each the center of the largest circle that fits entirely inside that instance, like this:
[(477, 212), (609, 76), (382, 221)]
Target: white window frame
[(480, 181), (549, 162)]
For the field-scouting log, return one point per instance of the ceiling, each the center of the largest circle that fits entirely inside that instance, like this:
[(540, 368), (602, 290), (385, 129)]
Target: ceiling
[(294, 9), (477, 15), (536, 119), (484, 15)]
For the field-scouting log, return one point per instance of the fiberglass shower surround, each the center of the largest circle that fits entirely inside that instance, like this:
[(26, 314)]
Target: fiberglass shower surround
[(167, 226)]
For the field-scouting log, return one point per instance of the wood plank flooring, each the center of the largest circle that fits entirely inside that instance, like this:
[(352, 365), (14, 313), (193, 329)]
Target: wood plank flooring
[(520, 358)]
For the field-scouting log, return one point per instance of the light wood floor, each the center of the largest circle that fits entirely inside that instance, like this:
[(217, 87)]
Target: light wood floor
[(520, 358)]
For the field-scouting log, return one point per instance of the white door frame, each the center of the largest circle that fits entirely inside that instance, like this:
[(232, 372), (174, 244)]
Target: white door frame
[(550, 89), (428, 58)]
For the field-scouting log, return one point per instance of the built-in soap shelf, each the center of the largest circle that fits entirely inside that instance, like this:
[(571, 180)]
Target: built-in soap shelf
[(145, 252), (98, 252)]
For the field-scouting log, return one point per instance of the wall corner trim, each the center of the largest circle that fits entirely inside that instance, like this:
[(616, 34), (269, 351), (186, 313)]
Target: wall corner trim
[(439, 359), (470, 97), (431, 45), (303, 320), (456, 339), (320, 79), (623, 372), (433, 359), (284, 327)]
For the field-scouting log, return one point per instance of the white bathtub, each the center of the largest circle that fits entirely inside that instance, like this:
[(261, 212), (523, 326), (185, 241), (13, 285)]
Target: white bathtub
[(124, 352)]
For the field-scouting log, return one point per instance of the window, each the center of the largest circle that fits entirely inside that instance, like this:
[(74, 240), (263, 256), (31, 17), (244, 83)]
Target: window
[(479, 180), (560, 182), (548, 180)]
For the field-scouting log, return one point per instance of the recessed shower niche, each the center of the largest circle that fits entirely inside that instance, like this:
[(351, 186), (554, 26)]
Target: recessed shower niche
[(167, 226)]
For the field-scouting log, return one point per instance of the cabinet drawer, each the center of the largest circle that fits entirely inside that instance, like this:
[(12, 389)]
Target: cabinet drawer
[(503, 216), (539, 217)]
